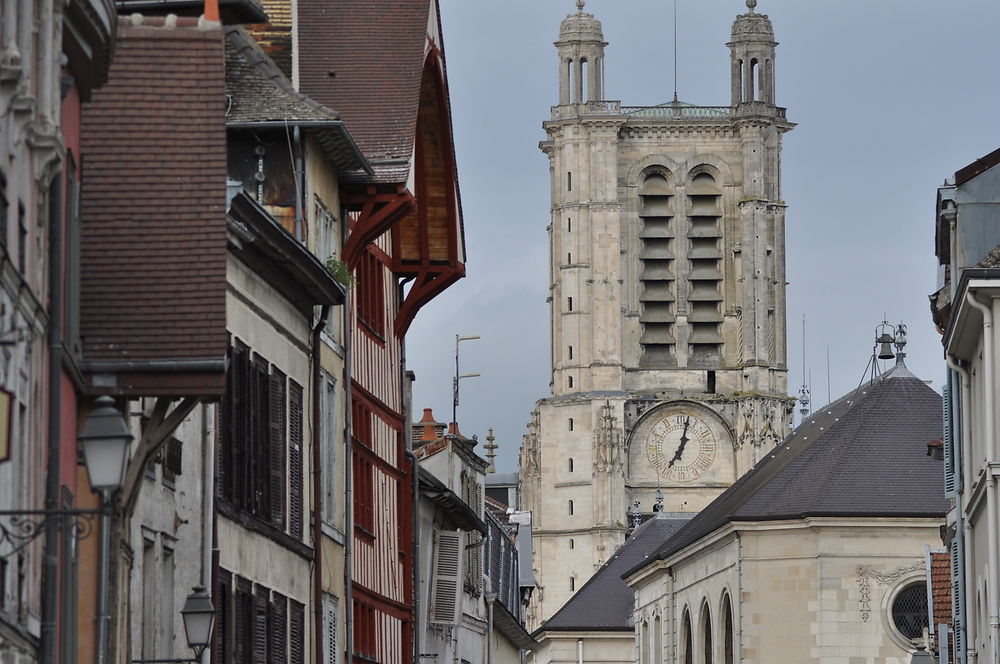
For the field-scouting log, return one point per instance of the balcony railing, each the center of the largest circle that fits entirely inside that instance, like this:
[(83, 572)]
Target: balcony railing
[(669, 111)]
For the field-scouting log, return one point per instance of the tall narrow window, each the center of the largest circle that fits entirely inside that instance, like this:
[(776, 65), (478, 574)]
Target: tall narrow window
[(584, 81), (569, 304), (571, 352), (572, 544), (330, 445), (705, 275), (727, 631), (658, 271), (706, 638), (572, 583), (571, 507), (570, 381), (569, 181), (569, 225), (570, 464), (22, 238), (752, 80), (569, 82), (166, 594), (686, 640), (657, 639), (571, 424), (644, 643)]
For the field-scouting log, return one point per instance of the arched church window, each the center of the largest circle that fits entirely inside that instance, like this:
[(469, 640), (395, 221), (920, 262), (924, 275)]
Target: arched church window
[(572, 583), (687, 651), (569, 180), (571, 424), (657, 639), (572, 544), (727, 630), (584, 81), (570, 464), (571, 507), (706, 635), (740, 66), (644, 643), (657, 275), (569, 80), (752, 80)]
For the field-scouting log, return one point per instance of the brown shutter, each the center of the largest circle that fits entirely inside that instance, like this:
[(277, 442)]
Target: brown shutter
[(223, 598), (223, 442), (259, 468), (238, 458), (276, 433), (296, 633), (277, 630), (243, 621), (295, 501), (259, 639)]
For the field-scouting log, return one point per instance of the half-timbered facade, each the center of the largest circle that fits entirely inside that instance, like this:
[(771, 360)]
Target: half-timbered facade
[(404, 246)]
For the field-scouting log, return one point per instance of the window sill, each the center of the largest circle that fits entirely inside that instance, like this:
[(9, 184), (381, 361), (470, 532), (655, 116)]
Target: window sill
[(253, 524), (364, 533), (369, 329)]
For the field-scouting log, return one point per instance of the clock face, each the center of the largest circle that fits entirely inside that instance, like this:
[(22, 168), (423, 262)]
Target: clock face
[(681, 447)]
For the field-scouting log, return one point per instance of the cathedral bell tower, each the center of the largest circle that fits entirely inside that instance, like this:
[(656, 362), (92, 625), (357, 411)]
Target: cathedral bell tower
[(667, 299)]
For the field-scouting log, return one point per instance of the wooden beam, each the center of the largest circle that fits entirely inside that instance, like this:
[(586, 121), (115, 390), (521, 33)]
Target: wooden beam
[(159, 427)]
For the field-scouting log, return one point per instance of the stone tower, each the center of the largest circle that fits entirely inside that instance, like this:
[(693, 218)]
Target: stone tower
[(667, 292)]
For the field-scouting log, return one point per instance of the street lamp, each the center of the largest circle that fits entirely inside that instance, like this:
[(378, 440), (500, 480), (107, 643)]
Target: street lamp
[(199, 615), (105, 439)]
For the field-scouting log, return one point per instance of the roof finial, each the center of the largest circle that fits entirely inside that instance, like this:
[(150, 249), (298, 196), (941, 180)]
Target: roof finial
[(580, 4), (751, 4)]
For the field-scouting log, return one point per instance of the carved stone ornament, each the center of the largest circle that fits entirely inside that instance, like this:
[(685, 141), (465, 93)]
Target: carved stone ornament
[(529, 449), (608, 443), (745, 434), (865, 576)]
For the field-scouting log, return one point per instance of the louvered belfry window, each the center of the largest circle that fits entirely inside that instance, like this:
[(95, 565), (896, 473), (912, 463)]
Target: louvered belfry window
[(705, 276), (658, 271), (261, 455)]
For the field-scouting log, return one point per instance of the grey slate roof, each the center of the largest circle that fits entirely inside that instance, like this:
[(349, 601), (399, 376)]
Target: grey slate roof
[(863, 455), (259, 95), (605, 603)]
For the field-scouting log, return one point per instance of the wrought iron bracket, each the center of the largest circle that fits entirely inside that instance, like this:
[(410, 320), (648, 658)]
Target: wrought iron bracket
[(19, 528)]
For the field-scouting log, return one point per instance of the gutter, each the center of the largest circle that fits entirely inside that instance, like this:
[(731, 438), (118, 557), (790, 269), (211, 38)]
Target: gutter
[(50, 556), (207, 365), (317, 525), (334, 125)]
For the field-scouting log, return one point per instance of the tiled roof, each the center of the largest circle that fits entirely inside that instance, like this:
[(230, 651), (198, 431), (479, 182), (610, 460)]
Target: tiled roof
[(153, 247), (275, 36), (941, 586), (991, 259), (863, 455), (605, 603), (365, 59), (258, 91)]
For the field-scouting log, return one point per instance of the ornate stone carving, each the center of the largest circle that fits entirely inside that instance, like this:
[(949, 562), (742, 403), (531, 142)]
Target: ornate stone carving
[(529, 449), (745, 433), (865, 576), (608, 443)]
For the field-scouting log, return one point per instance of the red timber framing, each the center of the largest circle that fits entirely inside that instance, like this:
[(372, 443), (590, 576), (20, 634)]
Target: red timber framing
[(426, 228)]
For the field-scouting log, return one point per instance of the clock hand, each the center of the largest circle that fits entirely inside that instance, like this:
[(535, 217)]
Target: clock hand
[(684, 442)]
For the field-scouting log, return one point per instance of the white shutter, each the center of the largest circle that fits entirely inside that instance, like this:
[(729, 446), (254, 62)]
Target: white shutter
[(330, 652), (447, 580), (950, 484)]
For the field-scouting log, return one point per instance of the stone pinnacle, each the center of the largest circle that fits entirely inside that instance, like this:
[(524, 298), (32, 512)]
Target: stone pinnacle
[(580, 4), (751, 4)]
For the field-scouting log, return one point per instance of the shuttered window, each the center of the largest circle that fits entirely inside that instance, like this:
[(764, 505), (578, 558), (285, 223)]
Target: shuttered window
[(364, 493), (331, 652), (243, 622), (370, 293), (277, 630), (330, 446), (223, 631), (295, 457), (950, 474), (259, 638), (276, 447), (296, 633), (260, 461), (447, 577)]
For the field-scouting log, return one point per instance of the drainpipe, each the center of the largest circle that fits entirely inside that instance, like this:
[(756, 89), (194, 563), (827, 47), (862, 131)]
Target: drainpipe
[(317, 478), (207, 496), (50, 555), (991, 497), (408, 378), (348, 469), (300, 186), (104, 578)]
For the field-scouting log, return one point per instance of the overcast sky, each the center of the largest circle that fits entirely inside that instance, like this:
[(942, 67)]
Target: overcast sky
[(890, 96)]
